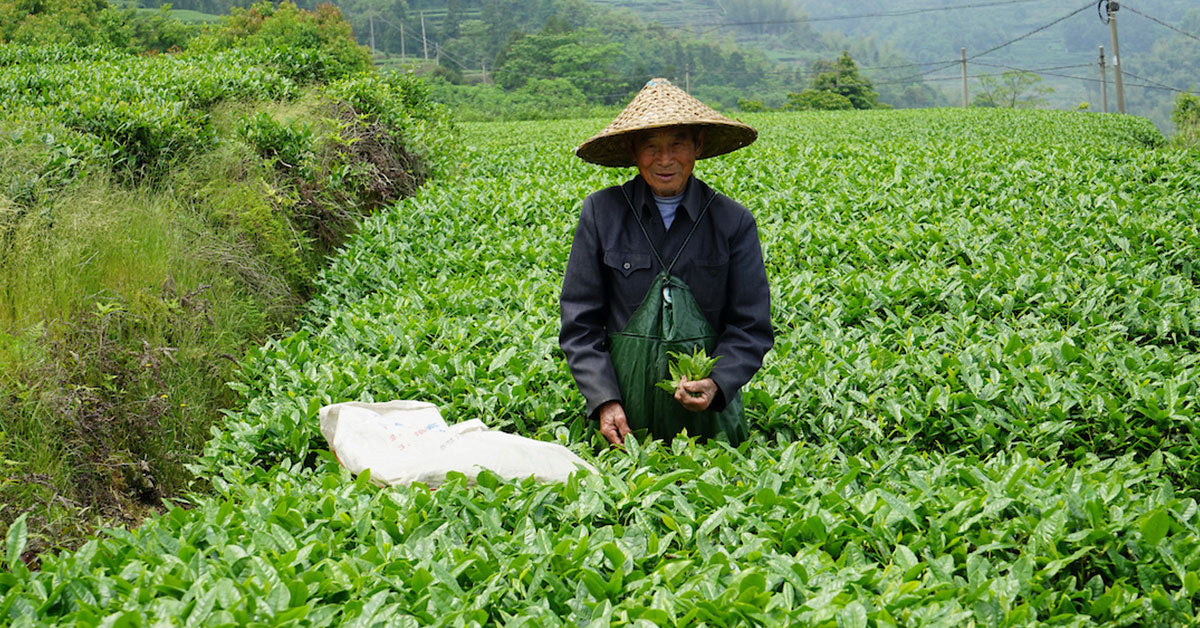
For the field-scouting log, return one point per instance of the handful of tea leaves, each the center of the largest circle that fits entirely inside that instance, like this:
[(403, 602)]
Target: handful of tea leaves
[(695, 367)]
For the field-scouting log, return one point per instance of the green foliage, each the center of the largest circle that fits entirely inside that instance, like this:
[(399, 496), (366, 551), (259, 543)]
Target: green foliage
[(1186, 117), (695, 367), (586, 58), (74, 22), (135, 30), (978, 410), (394, 100), (289, 144), (125, 300), (1014, 89), (155, 109), (841, 77), (538, 99), (287, 29), (751, 106), (817, 100), (92, 23)]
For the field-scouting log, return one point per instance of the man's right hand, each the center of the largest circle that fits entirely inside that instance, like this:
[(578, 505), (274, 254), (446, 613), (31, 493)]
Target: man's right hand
[(613, 424)]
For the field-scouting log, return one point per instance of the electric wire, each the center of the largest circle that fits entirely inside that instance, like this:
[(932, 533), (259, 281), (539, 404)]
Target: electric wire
[(937, 65), (1149, 80), (1032, 32), (1158, 21), (1035, 70), (899, 13), (894, 14), (950, 62)]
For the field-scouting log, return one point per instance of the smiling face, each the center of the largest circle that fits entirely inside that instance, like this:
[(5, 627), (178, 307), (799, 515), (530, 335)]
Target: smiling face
[(665, 157)]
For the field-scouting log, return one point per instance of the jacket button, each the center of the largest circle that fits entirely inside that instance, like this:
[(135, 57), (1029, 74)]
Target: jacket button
[(626, 265)]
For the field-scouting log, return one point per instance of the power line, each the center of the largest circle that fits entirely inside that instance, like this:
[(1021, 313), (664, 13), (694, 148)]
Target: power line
[(948, 62), (1158, 21), (1032, 32), (1035, 70), (1048, 72), (901, 13), (1148, 80), (938, 65), (897, 14)]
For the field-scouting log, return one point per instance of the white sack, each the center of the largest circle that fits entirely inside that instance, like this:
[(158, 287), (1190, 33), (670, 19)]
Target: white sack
[(402, 442)]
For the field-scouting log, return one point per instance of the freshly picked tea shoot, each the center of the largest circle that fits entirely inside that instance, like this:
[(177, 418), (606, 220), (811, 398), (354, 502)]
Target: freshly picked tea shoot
[(695, 367)]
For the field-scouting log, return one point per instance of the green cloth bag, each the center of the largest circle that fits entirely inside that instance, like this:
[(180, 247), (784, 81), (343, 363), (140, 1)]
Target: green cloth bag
[(669, 319)]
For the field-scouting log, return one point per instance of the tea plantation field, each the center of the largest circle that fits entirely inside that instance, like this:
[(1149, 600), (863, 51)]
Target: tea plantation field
[(981, 407)]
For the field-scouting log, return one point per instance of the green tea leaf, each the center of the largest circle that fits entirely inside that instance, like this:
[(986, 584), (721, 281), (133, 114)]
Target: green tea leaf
[(14, 545), (1155, 527)]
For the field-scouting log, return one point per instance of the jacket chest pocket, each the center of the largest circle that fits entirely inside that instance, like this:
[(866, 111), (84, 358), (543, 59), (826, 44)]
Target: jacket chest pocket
[(626, 263)]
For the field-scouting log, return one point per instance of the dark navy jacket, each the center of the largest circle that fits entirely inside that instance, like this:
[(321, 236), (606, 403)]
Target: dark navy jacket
[(612, 265)]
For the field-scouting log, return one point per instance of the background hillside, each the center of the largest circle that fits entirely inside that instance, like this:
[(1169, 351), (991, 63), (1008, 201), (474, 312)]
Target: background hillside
[(762, 50)]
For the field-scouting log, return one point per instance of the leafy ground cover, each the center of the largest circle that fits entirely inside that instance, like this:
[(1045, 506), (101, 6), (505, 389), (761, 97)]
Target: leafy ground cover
[(980, 407)]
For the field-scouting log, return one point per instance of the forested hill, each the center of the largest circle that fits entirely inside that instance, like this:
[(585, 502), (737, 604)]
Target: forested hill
[(764, 49), (1064, 53), (1155, 56)]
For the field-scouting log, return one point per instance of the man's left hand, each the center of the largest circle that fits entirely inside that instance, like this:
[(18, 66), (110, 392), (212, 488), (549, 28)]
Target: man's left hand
[(696, 396)]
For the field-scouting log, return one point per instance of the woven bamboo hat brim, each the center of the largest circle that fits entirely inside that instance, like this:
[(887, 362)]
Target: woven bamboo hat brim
[(661, 104)]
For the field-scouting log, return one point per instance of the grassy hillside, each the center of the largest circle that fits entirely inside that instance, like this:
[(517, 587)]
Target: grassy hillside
[(979, 408)]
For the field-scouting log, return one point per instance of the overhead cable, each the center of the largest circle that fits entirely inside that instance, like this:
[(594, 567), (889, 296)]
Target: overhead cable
[(1032, 32), (899, 13), (1158, 21)]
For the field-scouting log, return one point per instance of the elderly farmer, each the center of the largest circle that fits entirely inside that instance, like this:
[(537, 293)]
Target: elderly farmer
[(664, 263)]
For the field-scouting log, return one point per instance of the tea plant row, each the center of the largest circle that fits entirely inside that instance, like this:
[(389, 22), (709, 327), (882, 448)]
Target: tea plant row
[(979, 407)]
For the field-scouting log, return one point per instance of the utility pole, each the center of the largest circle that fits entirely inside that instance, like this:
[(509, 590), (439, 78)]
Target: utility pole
[(687, 78), (402, 58), (424, 42), (966, 101), (483, 66), (1113, 7), (1103, 82)]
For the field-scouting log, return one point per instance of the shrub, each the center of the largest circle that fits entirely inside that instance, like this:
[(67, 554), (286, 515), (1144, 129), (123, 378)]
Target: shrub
[(293, 35), (817, 100), (751, 106)]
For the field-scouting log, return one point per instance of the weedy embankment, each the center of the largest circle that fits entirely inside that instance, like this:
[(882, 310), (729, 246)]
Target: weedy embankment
[(152, 235)]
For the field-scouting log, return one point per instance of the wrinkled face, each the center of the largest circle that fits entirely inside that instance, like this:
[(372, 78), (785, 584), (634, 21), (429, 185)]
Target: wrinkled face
[(665, 157)]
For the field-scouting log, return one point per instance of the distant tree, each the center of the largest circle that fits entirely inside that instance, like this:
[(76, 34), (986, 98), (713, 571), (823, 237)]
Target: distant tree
[(841, 77), (748, 105), (1186, 117), (1014, 89), (452, 20), (470, 47), (817, 100), (583, 57)]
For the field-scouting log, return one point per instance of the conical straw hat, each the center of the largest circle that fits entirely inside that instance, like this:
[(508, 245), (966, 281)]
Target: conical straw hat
[(661, 104)]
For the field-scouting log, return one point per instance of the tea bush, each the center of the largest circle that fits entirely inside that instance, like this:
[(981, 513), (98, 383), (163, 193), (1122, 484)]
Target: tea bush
[(978, 409)]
